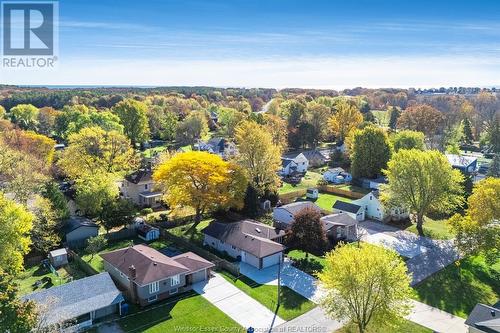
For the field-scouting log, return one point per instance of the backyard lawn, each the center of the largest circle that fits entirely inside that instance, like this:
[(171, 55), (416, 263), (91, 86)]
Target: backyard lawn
[(188, 313), (310, 180), (326, 200), (195, 235), (457, 288), (292, 304), (435, 229), (27, 279), (406, 327), (312, 265)]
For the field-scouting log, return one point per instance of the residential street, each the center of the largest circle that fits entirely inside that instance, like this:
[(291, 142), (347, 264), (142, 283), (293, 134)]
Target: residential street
[(242, 308)]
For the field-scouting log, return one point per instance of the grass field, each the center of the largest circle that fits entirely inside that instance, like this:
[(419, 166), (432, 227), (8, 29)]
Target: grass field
[(406, 327), (191, 313), (457, 288), (310, 180), (435, 229), (326, 200), (292, 304), (312, 265), (194, 235), (27, 279)]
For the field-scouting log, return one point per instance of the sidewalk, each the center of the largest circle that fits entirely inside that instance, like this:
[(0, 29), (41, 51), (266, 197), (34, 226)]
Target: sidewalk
[(242, 308), (435, 319)]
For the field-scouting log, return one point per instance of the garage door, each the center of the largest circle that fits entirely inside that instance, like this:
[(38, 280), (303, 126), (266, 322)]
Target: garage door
[(271, 260)]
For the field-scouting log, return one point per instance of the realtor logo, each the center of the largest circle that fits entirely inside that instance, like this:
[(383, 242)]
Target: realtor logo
[(29, 33)]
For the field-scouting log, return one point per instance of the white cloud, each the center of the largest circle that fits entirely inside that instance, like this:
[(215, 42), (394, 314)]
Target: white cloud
[(328, 72)]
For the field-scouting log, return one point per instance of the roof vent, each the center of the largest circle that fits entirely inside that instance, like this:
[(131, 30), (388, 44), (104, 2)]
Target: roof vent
[(258, 230), (155, 264), (493, 313)]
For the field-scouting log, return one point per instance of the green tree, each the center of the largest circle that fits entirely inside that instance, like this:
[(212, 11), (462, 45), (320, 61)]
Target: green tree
[(478, 230), (94, 192), (93, 150), (494, 170), (307, 233), (16, 316), (467, 131), (370, 152), (133, 117), (259, 156), (95, 244), (345, 119), (423, 181), (408, 139), (192, 128), (57, 200), (24, 115), (202, 181), (15, 227), (118, 213), (45, 233), (229, 119), (394, 114), (293, 110), (366, 285), (162, 122), (317, 116)]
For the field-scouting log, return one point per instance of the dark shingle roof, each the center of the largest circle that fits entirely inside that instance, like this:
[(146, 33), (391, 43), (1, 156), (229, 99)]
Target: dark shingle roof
[(77, 298), (285, 162), (149, 265), (142, 175), (342, 219), (250, 236), (346, 206), (483, 319), (295, 207), (76, 222), (193, 261)]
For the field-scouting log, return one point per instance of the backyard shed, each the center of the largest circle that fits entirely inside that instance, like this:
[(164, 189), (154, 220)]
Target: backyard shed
[(58, 257)]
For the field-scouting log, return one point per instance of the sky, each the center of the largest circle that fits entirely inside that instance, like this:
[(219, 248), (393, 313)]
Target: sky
[(274, 43)]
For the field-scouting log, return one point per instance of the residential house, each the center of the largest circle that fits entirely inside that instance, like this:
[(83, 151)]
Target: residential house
[(78, 229), (337, 176), (148, 276), (76, 305), (294, 163), (484, 319), (58, 258), (138, 187), (316, 158), (355, 211), (219, 146), (147, 232), (254, 243), (466, 164), (340, 227), (376, 211), (283, 216), (373, 184)]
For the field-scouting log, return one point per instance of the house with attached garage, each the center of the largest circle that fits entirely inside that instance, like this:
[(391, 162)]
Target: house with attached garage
[(355, 211), (251, 242), (76, 305), (340, 227), (148, 276), (337, 176), (139, 188), (376, 211), (293, 163), (283, 216), (316, 157)]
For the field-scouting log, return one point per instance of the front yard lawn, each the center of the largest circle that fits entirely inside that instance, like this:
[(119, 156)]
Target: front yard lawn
[(292, 304), (457, 288), (406, 327), (26, 280), (188, 313), (312, 265), (435, 229), (310, 180)]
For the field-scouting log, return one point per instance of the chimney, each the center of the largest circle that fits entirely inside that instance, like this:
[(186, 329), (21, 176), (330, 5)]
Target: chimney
[(132, 272)]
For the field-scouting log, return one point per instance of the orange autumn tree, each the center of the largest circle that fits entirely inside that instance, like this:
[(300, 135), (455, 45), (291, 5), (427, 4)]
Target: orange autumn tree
[(202, 181)]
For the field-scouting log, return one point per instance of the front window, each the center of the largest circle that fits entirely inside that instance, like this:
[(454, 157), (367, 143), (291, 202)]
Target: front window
[(154, 287), (175, 280)]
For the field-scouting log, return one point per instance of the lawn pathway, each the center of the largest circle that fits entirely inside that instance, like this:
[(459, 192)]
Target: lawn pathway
[(242, 308)]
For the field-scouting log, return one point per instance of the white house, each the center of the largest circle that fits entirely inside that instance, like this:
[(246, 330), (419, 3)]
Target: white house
[(285, 215), (353, 210), (337, 176), (138, 187), (294, 163), (375, 210), (252, 242)]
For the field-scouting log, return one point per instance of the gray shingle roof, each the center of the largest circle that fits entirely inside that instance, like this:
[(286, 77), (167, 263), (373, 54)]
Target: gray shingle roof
[(295, 207), (338, 219), (346, 206), (76, 222), (482, 318), (77, 298)]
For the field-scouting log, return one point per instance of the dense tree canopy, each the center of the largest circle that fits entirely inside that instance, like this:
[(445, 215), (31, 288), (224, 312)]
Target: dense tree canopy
[(422, 118), (345, 119), (408, 139), (133, 117), (194, 127), (370, 152)]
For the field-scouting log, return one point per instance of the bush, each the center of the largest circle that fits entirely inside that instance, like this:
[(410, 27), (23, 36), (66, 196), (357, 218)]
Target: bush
[(146, 211)]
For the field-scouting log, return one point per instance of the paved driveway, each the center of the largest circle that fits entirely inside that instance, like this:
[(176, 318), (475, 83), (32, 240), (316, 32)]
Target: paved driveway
[(242, 308)]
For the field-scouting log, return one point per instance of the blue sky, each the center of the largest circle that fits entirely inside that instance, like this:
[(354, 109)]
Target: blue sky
[(275, 43)]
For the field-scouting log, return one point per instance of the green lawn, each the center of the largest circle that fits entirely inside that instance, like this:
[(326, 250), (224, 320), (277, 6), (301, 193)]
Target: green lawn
[(312, 265), (326, 200), (194, 235), (27, 279), (188, 313), (151, 152), (292, 304), (435, 229), (457, 288), (381, 116), (406, 327), (310, 180)]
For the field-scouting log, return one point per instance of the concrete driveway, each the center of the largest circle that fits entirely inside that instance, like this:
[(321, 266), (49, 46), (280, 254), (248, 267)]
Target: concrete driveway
[(242, 308)]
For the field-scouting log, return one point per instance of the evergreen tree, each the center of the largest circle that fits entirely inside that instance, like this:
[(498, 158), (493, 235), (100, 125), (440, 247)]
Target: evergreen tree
[(467, 131)]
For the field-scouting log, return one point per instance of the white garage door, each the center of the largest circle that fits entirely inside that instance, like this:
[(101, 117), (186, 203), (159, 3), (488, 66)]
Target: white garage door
[(271, 260)]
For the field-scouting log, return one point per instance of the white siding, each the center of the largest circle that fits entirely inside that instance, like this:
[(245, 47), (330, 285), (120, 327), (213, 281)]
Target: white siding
[(251, 260), (271, 260)]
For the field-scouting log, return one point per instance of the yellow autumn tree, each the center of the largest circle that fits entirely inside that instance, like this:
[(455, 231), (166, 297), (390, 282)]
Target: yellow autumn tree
[(346, 118), (202, 181)]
